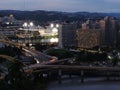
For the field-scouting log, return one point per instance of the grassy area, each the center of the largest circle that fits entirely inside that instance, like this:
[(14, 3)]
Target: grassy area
[(60, 53)]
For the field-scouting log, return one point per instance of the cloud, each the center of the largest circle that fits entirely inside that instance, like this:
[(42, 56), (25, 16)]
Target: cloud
[(63, 5)]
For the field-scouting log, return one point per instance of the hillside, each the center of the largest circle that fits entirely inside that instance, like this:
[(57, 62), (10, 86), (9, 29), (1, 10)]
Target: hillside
[(44, 16)]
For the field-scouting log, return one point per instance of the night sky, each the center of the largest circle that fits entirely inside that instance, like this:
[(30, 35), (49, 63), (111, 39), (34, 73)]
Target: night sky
[(62, 5)]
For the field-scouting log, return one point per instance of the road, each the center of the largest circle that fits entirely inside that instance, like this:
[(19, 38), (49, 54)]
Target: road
[(38, 56)]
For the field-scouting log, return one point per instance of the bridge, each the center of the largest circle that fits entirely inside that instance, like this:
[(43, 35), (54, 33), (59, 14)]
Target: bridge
[(81, 71)]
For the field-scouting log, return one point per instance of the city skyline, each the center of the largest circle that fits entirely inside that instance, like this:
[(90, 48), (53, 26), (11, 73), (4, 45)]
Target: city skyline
[(63, 5)]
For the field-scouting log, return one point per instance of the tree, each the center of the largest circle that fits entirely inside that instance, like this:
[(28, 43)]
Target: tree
[(60, 53), (16, 78)]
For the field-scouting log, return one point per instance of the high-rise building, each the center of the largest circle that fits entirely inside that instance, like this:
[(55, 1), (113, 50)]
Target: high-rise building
[(67, 35), (88, 38), (99, 32), (109, 27), (91, 33)]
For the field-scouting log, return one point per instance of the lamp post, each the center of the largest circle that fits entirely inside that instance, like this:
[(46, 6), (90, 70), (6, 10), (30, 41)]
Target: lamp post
[(54, 25), (27, 26)]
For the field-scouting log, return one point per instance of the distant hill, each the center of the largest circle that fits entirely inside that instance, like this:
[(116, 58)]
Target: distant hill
[(44, 16)]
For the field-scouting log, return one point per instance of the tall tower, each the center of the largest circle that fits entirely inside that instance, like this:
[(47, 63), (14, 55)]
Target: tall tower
[(67, 35), (109, 27)]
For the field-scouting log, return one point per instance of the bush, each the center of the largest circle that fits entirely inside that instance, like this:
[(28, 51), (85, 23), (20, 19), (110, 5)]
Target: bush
[(60, 53)]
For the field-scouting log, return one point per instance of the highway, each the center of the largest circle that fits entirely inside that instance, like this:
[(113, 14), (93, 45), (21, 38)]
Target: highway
[(39, 57)]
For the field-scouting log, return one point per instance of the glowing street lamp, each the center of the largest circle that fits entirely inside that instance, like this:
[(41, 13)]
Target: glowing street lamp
[(57, 25), (7, 23), (31, 24), (28, 24), (52, 25), (25, 24)]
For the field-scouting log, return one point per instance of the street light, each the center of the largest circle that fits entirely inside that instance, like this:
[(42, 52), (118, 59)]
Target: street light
[(52, 25), (31, 24), (57, 25), (27, 26)]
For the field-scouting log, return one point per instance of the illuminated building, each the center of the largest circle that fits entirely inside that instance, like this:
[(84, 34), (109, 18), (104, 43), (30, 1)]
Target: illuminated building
[(109, 27), (88, 38), (99, 32)]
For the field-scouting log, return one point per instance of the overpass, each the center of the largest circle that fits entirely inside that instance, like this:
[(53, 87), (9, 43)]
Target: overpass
[(81, 71), (73, 67)]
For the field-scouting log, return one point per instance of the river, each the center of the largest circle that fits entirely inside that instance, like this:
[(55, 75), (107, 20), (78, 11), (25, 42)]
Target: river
[(89, 84)]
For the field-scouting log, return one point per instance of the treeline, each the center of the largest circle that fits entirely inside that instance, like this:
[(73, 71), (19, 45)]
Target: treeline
[(44, 16)]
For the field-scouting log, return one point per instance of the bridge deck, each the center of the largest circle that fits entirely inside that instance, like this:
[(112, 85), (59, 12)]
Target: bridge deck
[(38, 66)]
